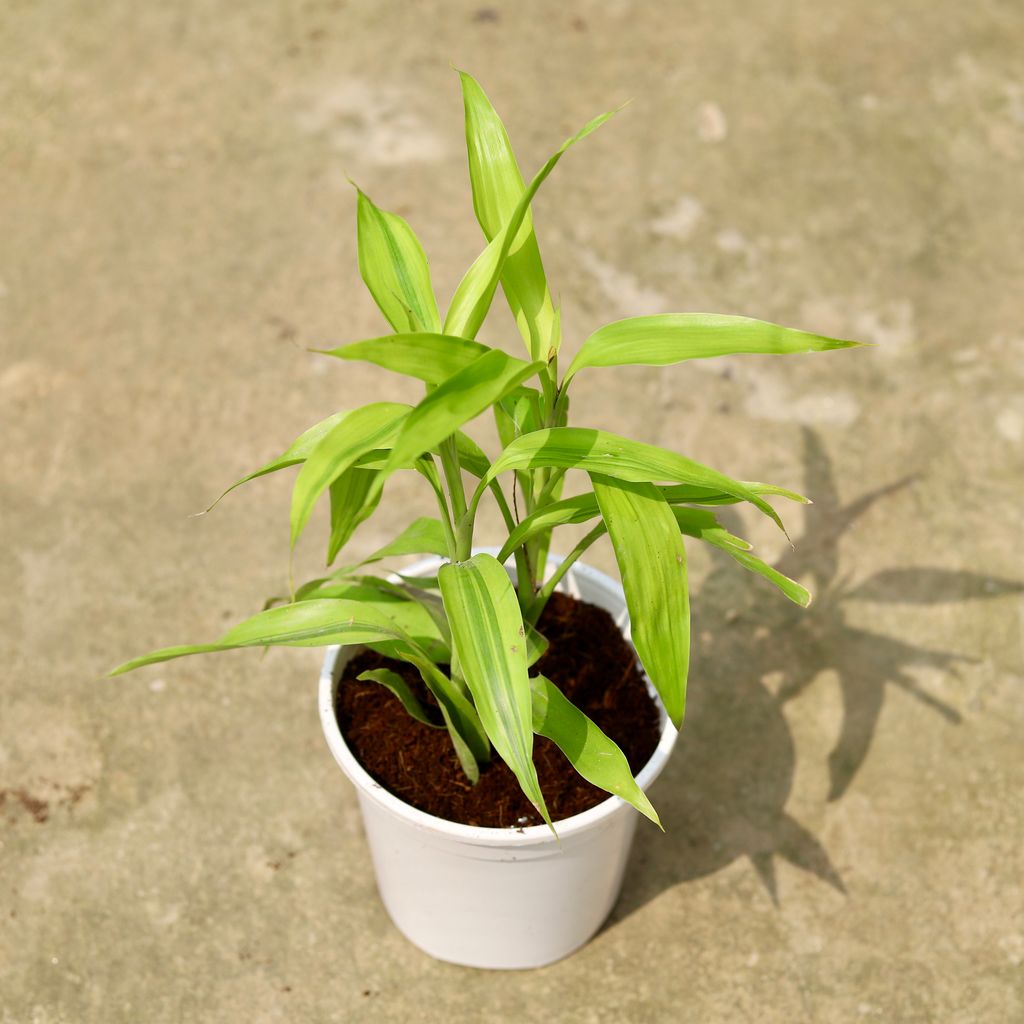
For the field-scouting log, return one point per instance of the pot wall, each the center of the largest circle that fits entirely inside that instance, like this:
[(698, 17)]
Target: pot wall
[(488, 897)]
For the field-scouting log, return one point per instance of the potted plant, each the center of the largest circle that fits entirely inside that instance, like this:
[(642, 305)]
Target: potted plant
[(444, 684)]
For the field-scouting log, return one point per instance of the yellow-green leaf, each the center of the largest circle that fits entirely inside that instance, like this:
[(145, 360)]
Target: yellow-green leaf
[(351, 504), (400, 688), (589, 750), (497, 188), (597, 451), (490, 643), (432, 358), (361, 431), (317, 623), (673, 337), (394, 267), (473, 296), (459, 399), (297, 452), (652, 566)]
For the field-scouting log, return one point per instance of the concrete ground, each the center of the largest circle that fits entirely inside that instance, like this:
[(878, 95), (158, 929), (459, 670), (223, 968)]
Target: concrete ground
[(844, 817)]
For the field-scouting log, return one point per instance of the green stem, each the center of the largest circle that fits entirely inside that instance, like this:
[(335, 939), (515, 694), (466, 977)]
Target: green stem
[(453, 477), (552, 482), (430, 474), (534, 611), (506, 512), (525, 583)]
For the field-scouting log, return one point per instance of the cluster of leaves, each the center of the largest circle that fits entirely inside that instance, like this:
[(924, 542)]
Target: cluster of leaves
[(470, 632)]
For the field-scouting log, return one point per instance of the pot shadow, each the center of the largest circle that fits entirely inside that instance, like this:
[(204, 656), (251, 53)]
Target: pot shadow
[(724, 792)]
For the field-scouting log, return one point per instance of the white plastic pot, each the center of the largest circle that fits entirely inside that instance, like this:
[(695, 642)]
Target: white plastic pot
[(496, 897)]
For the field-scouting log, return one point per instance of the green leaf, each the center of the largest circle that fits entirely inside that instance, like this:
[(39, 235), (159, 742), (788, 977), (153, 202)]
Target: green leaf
[(464, 727), (517, 413), (456, 401), (318, 623), (597, 451), (472, 457), (592, 753), (796, 593), (297, 452), (414, 609), (490, 643), (582, 507), (360, 432), (351, 504), (536, 645), (673, 337), (577, 509), (497, 189), (473, 296), (652, 565), (400, 688), (394, 267), (704, 526), (685, 494), (423, 536), (432, 358), (423, 582)]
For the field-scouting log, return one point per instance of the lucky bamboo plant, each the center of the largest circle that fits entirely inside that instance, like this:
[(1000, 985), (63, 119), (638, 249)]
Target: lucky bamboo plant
[(471, 632)]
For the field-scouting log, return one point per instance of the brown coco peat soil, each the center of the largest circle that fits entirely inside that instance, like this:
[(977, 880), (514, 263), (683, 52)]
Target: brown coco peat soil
[(590, 662)]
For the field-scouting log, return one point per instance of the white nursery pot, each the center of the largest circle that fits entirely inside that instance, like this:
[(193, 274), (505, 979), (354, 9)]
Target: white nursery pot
[(496, 897)]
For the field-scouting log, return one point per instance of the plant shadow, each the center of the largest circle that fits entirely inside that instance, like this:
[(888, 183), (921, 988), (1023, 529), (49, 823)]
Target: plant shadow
[(724, 794)]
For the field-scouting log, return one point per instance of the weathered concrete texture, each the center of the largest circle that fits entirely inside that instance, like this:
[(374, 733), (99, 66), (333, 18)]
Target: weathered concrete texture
[(844, 818)]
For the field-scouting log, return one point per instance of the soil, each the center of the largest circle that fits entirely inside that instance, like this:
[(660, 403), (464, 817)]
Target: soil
[(590, 662)]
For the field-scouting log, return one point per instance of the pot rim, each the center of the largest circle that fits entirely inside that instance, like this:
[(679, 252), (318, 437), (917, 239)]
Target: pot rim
[(478, 835)]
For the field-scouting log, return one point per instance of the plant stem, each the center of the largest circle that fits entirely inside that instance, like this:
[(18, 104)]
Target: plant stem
[(453, 477), (549, 486), (428, 470), (533, 613)]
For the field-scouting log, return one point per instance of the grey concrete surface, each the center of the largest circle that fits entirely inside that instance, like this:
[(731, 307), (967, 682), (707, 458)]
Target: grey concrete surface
[(844, 813)]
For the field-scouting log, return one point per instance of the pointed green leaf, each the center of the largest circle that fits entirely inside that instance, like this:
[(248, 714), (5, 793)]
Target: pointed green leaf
[(589, 750), (351, 504), (317, 623), (423, 536), (432, 358), (464, 726), (673, 337), (577, 509), (456, 401), (400, 688), (652, 565), (517, 413), (297, 452), (394, 267), (582, 507), (685, 494), (536, 645), (473, 296), (497, 189), (597, 451), (796, 593), (472, 457), (490, 643), (360, 432), (703, 525)]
